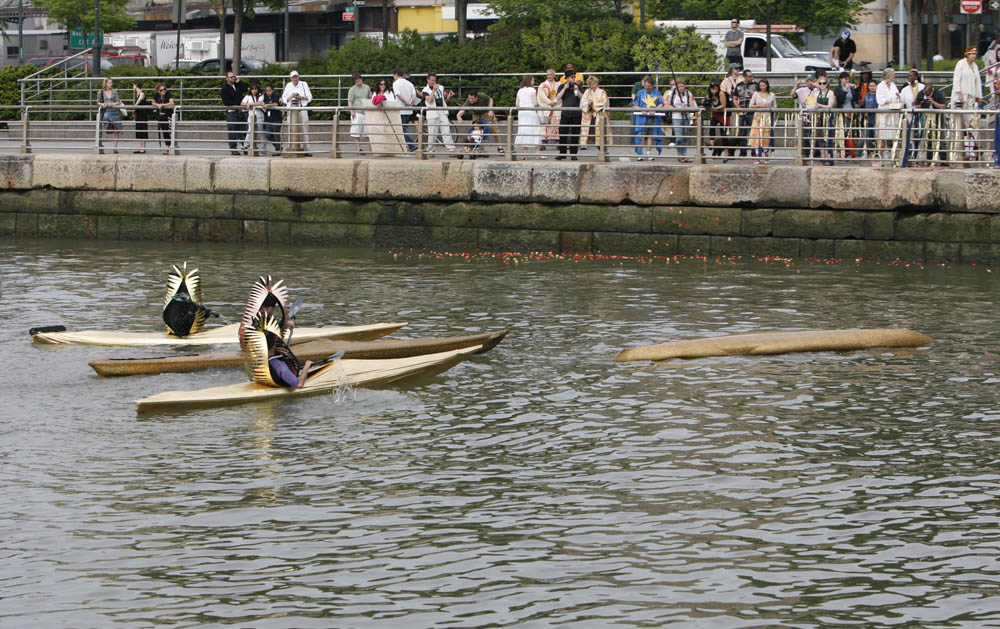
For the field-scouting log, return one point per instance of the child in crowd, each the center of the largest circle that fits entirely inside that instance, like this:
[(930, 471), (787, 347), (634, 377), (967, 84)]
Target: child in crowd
[(474, 141)]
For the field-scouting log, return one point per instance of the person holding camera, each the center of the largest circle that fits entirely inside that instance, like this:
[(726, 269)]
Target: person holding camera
[(232, 94), (296, 96), (571, 94)]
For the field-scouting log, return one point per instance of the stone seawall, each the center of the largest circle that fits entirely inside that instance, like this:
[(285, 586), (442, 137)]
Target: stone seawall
[(613, 208)]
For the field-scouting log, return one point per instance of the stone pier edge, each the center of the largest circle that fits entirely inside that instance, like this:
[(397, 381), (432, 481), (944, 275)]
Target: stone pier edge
[(574, 207)]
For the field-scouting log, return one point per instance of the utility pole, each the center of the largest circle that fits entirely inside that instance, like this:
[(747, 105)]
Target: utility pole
[(385, 22), (97, 45), (284, 48), (357, 17), (642, 13), (461, 13)]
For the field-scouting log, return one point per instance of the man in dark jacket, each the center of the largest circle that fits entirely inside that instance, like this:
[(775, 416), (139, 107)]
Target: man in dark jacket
[(232, 93)]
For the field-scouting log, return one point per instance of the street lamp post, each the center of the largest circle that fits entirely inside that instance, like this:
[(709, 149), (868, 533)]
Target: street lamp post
[(20, 32), (97, 45)]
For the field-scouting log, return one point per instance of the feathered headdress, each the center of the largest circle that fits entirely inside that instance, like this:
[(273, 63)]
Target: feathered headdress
[(255, 359), (263, 288), (182, 281)]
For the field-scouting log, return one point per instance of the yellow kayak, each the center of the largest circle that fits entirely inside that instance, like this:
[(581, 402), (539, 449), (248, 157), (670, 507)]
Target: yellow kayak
[(227, 334), (350, 372), (764, 343)]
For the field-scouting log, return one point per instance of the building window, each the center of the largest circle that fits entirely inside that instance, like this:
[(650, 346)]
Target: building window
[(43, 44), (11, 51)]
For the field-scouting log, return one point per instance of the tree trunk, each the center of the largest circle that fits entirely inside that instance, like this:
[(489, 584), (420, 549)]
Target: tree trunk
[(943, 41), (461, 12), (238, 9), (914, 10), (222, 34)]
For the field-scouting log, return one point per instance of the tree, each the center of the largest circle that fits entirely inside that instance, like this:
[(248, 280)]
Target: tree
[(822, 17), (79, 14), (676, 48), (244, 9), (533, 12)]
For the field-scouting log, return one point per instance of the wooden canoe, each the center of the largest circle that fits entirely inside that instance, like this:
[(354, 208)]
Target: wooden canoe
[(765, 343), (354, 372), (310, 350), (223, 335)]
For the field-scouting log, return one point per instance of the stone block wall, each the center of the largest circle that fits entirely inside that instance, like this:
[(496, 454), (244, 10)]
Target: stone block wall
[(615, 209)]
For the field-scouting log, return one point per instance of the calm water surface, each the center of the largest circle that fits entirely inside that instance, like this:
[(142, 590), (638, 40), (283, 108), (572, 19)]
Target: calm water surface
[(539, 484)]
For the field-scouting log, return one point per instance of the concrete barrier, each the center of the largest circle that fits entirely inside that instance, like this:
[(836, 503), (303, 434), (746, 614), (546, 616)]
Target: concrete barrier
[(612, 208)]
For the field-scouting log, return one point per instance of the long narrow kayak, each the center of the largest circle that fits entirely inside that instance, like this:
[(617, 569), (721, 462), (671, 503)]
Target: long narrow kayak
[(224, 335), (765, 343), (355, 372), (310, 350)]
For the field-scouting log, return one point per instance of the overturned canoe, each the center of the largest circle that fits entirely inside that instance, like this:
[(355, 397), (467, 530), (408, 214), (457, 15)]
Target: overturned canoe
[(310, 350), (355, 372), (227, 334), (763, 343)]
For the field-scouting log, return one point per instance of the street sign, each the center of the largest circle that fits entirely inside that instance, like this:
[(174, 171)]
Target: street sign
[(972, 7), (76, 39), (995, 5), (180, 12), (347, 17), (348, 9), (358, 3)]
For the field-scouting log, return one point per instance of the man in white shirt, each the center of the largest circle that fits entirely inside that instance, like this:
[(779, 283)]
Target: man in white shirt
[(908, 95), (296, 95), (437, 115), (407, 96)]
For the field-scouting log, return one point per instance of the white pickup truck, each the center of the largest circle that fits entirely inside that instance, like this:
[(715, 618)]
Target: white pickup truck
[(785, 57)]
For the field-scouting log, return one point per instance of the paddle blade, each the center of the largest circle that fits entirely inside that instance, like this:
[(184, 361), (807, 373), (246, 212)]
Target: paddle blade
[(329, 359), (47, 328), (294, 308)]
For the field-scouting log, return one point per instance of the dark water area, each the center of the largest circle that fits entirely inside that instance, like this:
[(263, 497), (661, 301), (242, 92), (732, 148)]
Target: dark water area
[(539, 484)]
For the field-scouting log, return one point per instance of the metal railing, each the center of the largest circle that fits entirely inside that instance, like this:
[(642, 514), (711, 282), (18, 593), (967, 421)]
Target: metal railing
[(820, 137), (331, 90)]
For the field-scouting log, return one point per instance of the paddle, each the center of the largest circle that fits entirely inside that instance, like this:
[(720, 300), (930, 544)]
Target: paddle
[(295, 307), (329, 359), (47, 328)]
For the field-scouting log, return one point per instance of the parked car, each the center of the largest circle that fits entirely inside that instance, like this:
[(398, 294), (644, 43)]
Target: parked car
[(127, 60), (183, 64), (211, 66), (74, 63)]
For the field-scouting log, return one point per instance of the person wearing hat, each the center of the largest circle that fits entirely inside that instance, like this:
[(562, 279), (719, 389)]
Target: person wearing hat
[(967, 93), (843, 51), (297, 97)]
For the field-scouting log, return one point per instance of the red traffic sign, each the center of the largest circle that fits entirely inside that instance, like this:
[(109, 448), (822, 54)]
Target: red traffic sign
[(972, 7), (347, 17)]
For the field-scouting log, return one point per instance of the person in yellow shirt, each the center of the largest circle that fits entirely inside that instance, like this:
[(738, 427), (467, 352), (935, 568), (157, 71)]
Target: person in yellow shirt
[(594, 103)]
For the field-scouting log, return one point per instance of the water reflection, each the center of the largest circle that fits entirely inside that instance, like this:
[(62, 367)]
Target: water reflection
[(535, 485)]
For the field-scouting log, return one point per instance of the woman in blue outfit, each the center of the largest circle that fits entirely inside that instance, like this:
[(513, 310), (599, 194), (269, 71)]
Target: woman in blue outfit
[(647, 130), (111, 110)]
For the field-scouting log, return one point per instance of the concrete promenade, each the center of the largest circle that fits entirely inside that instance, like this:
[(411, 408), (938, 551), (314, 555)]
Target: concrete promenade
[(571, 207)]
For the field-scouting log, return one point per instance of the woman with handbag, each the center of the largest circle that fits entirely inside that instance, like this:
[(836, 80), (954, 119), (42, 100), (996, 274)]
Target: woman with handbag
[(141, 104), (110, 110)]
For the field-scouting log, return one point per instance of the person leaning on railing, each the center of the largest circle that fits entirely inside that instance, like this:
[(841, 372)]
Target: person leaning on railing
[(547, 98), (846, 97), (438, 126), (929, 100), (141, 105), (718, 126), (887, 95), (356, 97), (297, 96), (761, 138), (110, 110), (647, 132), (231, 93), (486, 119), (594, 103), (272, 117), (163, 101), (678, 100)]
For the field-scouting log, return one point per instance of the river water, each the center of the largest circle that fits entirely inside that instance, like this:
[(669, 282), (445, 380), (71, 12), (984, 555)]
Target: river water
[(539, 484)]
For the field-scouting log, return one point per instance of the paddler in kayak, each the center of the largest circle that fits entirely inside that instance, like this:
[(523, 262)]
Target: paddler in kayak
[(268, 360), (183, 312), (265, 296)]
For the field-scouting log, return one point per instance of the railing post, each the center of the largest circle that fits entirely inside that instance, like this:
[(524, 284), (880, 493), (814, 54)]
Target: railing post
[(510, 135), (252, 132), (98, 145), (419, 127), (602, 136), (699, 130), (335, 140), (25, 120), (799, 129), (173, 131)]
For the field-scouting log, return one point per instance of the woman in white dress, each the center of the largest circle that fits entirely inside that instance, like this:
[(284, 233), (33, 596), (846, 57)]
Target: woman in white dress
[(529, 130), (966, 93), (887, 96)]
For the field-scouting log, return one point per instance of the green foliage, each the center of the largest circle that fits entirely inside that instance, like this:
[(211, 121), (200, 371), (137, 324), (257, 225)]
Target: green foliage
[(676, 49), (75, 14), (824, 17), (10, 89), (535, 12)]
